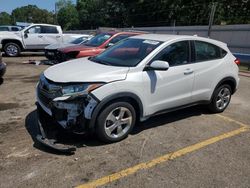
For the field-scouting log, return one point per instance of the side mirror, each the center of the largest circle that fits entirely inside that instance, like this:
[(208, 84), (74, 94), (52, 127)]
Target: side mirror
[(109, 44), (157, 65), (26, 34)]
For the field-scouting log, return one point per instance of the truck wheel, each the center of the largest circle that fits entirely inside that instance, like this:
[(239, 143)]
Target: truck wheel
[(12, 49), (115, 122), (220, 99)]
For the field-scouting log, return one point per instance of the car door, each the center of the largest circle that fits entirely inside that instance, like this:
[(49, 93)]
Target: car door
[(171, 88), (207, 67), (51, 35), (37, 37), (32, 37)]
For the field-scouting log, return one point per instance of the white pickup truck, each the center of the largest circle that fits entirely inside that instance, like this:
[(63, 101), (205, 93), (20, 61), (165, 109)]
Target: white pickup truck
[(32, 38)]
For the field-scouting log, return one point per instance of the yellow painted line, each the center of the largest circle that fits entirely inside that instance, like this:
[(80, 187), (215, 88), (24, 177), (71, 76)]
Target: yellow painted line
[(232, 120), (164, 158)]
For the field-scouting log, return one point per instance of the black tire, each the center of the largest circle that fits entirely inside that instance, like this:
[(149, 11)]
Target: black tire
[(213, 107), (49, 57), (15, 52), (102, 126)]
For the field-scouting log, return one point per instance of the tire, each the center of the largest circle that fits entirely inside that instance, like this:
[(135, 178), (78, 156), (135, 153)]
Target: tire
[(115, 122), (49, 57), (220, 99), (12, 49)]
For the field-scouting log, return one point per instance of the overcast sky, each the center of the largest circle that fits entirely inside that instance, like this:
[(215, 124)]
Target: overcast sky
[(9, 5)]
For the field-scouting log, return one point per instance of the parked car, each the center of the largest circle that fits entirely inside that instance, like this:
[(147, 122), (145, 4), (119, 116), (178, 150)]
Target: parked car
[(32, 38), (52, 49), (135, 79), (12, 28), (2, 66), (94, 46)]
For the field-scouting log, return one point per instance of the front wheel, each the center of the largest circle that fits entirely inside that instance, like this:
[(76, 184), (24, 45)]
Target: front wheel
[(115, 122), (220, 99), (12, 49)]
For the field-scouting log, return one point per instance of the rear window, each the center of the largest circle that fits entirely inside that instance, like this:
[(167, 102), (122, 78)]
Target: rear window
[(14, 29), (206, 51), (49, 29), (4, 29)]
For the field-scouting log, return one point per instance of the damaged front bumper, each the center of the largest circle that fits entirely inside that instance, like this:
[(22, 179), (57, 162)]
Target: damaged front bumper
[(62, 113)]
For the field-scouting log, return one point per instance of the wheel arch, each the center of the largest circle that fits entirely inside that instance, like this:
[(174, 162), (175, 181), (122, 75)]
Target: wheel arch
[(132, 98), (18, 42), (227, 80)]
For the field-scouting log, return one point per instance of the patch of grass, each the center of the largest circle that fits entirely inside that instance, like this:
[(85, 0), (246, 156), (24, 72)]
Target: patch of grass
[(244, 67)]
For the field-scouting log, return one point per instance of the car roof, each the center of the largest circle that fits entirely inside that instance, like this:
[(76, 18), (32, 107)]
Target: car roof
[(168, 37), (122, 32)]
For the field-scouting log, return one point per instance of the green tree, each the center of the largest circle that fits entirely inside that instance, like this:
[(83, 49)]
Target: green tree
[(68, 18), (62, 3), (5, 19), (32, 14)]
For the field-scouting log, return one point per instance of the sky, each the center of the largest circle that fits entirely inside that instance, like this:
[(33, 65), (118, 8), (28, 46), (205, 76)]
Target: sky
[(9, 5)]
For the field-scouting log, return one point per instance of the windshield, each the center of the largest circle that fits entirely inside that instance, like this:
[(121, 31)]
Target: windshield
[(98, 39), (127, 53), (79, 40)]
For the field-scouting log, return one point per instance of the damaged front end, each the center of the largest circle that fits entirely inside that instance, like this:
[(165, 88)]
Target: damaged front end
[(66, 106)]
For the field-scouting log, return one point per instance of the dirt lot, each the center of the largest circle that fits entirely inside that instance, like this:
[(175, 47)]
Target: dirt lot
[(225, 162)]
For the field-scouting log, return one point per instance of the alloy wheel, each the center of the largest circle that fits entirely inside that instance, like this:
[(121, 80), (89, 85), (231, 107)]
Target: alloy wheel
[(118, 122)]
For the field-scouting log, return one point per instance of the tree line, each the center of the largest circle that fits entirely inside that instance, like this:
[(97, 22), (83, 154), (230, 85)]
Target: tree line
[(91, 14)]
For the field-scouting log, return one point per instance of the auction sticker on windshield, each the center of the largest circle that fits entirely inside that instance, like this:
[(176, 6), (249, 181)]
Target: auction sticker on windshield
[(153, 42)]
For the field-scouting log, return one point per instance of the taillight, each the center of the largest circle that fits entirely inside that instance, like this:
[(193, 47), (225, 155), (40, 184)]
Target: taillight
[(237, 61)]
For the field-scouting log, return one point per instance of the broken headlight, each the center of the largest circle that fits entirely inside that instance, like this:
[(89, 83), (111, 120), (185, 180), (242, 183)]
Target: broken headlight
[(80, 89)]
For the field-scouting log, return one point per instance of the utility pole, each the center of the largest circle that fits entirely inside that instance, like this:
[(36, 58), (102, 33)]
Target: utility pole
[(211, 18), (55, 16)]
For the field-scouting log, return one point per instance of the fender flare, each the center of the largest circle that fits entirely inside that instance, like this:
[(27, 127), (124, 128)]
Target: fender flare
[(106, 100), (229, 78), (17, 41)]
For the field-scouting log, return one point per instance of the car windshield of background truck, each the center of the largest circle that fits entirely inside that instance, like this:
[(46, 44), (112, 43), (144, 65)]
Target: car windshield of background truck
[(98, 40), (127, 53)]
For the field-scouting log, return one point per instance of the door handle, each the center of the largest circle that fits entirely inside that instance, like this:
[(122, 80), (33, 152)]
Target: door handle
[(188, 71), (58, 36), (40, 36)]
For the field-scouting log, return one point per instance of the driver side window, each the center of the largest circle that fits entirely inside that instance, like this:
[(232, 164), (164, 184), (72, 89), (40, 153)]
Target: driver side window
[(175, 54), (34, 30)]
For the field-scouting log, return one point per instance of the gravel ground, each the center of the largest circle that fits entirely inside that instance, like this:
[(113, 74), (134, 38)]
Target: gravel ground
[(24, 163)]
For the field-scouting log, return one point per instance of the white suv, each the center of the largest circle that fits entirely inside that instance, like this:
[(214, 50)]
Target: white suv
[(137, 78)]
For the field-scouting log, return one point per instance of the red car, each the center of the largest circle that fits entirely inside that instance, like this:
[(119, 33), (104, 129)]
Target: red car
[(93, 47)]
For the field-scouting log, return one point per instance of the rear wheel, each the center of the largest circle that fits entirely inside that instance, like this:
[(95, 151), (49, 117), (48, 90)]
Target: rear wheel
[(115, 122), (220, 99), (12, 49)]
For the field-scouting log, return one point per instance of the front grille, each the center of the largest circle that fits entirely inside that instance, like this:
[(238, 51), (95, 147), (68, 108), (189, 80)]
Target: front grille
[(47, 92)]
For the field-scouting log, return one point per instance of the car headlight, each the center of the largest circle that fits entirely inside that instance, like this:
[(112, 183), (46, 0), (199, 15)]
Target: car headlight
[(79, 89)]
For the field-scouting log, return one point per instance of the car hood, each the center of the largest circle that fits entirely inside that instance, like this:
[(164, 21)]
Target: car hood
[(84, 70), (6, 34), (60, 45), (77, 48)]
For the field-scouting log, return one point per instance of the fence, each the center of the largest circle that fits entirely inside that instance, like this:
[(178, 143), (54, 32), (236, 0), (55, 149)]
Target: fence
[(236, 36)]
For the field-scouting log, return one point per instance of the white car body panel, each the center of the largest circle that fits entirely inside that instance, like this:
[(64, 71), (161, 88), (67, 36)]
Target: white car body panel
[(157, 90), (64, 44), (78, 70)]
